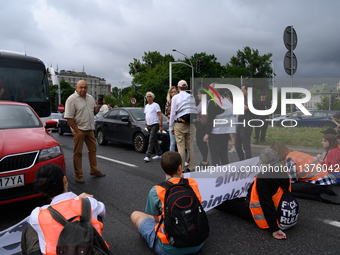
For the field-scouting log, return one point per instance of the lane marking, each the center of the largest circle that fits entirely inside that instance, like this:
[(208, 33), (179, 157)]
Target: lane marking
[(332, 222), (116, 161)]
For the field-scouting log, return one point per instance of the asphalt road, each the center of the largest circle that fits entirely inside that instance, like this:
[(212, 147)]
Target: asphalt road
[(125, 189)]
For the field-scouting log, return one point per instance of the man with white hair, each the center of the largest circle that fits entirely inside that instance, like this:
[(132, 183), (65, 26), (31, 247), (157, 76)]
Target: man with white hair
[(153, 122)]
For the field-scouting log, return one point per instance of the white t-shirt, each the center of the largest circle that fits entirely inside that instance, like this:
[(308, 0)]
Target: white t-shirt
[(151, 115)]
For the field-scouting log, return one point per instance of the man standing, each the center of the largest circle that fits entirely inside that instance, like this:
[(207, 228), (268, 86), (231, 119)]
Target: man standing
[(243, 130), (181, 106), (153, 122), (263, 104), (79, 112)]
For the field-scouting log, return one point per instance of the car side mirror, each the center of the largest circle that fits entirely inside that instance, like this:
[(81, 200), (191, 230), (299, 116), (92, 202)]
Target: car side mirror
[(125, 119)]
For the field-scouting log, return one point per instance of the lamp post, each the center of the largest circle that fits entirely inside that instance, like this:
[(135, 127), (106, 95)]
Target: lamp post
[(192, 67)]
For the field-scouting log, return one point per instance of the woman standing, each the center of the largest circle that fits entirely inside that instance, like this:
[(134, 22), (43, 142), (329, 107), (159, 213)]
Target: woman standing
[(171, 92)]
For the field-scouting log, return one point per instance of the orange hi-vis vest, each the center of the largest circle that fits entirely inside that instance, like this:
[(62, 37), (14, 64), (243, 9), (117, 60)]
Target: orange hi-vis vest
[(307, 168), (161, 194), (255, 205), (51, 228)]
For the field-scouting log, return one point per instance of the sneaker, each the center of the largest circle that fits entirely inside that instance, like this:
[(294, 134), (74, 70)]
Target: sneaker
[(80, 179), (233, 149), (263, 142), (156, 157), (256, 141), (146, 159), (98, 174), (186, 163)]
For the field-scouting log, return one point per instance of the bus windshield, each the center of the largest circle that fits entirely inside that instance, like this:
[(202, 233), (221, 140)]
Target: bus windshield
[(24, 79)]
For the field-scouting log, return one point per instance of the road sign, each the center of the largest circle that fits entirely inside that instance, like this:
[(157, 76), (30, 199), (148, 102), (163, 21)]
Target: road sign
[(287, 63), (59, 91), (61, 108), (133, 100), (287, 37)]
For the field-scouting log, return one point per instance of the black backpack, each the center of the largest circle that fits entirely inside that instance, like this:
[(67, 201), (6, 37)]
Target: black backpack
[(185, 221), (79, 237)]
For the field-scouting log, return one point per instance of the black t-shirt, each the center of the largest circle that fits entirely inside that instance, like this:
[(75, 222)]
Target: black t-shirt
[(247, 114), (262, 105)]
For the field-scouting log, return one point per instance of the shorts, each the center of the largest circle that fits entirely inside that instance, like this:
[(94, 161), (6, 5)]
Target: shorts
[(147, 230)]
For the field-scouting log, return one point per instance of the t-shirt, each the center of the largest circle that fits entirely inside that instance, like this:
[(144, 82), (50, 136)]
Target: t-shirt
[(247, 114), (151, 115), (154, 207), (263, 105)]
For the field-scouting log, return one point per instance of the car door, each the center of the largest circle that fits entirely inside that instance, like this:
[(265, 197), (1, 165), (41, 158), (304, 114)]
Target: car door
[(109, 125), (123, 128)]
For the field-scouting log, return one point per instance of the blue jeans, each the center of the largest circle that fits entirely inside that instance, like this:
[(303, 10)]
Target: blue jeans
[(147, 230), (172, 142), (153, 141)]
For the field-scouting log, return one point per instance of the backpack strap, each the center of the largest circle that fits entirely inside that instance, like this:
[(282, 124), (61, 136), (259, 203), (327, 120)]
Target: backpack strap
[(57, 216), (86, 209)]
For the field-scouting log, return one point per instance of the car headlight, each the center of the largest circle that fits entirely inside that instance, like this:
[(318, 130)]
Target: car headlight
[(49, 153)]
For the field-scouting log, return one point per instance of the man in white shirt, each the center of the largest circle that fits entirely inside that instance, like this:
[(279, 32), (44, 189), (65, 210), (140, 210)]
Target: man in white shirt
[(153, 122), (181, 106)]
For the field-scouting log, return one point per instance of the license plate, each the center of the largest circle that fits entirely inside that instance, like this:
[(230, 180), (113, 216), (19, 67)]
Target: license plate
[(12, 181)]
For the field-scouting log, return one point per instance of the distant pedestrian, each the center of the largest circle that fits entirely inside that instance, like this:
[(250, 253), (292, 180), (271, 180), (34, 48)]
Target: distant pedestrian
[(153, 122), (262, 104), (171, 92), (244, 132), (79, 112)]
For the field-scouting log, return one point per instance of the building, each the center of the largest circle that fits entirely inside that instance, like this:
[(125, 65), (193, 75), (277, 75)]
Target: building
[(319, 92), (96, 86)]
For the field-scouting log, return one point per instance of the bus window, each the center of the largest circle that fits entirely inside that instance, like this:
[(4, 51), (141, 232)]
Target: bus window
[(24, 79)]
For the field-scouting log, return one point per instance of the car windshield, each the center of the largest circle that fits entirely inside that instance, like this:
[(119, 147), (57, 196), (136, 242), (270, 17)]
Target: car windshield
[(138, 114), (17, 116)]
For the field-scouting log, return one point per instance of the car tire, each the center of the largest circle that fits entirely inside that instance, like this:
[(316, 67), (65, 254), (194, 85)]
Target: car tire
[(328, 124), (60, 131), (139, 142), (101, 138)]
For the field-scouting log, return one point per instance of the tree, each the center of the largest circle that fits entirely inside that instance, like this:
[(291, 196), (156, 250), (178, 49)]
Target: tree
[(249, 63), (67, 90), (324, 104)]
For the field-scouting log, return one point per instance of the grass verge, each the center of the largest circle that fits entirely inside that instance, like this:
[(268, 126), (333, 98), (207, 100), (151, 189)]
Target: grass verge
[(302, 136)]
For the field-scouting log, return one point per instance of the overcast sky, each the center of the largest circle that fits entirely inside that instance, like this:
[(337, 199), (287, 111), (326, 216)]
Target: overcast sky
[(105, 35)]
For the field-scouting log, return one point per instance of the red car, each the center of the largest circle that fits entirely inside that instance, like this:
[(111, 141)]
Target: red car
[(25, 146)]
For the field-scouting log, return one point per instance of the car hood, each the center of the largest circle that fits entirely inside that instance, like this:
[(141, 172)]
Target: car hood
[(13, 141)]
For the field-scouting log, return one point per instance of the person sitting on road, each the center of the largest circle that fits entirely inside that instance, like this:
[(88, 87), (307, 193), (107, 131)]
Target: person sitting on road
[(266, 191), (147, 222), (309, 179), (331, 160), (42, 233)]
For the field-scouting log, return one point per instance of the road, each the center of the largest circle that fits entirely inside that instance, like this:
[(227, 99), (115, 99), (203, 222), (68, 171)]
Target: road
[(125, 189)]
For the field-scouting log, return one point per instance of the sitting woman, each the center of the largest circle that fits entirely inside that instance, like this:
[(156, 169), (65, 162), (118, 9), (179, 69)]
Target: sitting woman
[(309, 179), (42, 233), (331, 160)]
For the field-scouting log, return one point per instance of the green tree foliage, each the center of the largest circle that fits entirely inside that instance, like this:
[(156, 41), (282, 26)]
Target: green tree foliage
[(249, 63), (67, 90), (324, 104)]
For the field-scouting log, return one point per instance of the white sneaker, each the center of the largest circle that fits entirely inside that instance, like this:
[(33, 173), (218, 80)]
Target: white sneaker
[(186, 163), (146, 159), (233, 149), (157, 157)]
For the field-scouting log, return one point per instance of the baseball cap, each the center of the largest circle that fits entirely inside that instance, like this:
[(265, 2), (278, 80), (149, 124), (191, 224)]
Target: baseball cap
[(329, 131), (182, 83)]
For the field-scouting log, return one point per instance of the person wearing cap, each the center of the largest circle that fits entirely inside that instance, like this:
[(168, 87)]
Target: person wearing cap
[(262, 104), (266, 191), (182, 105), (336, 121)]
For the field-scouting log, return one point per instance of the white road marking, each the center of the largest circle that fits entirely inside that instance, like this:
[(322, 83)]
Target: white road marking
[(332, 222), (116, 161)]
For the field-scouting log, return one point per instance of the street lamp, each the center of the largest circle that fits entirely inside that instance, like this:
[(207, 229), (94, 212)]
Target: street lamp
[(192, 67)]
